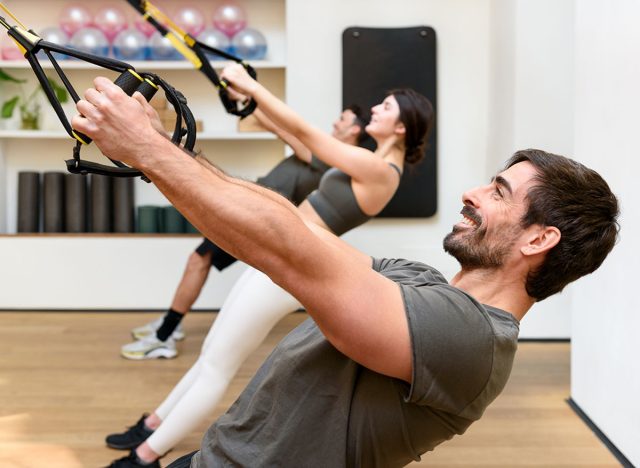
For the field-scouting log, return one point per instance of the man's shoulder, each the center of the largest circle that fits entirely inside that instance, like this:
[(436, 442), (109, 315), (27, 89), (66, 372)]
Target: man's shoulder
[(408, 271)]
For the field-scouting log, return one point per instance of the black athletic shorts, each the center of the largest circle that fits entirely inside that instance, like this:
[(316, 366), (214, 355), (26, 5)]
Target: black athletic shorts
[(219, 258)]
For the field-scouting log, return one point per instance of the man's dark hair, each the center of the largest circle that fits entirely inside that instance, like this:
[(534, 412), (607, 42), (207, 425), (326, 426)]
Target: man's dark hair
[(361, 119), (577, 201)]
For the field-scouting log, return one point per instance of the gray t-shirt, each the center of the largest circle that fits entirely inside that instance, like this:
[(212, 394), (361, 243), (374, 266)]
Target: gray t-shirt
[(311, 406)]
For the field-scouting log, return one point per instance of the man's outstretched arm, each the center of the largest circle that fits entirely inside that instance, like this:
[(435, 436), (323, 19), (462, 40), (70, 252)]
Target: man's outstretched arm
[(360, 312)]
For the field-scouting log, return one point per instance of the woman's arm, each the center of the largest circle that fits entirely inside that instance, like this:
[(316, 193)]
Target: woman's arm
[(353, 160), (299, 149)]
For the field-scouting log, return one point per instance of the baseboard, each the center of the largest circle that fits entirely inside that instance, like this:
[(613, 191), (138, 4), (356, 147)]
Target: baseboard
[(544, 340), (605, 440)]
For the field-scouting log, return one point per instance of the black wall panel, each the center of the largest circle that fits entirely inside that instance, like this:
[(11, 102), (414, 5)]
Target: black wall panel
[(376, 60)]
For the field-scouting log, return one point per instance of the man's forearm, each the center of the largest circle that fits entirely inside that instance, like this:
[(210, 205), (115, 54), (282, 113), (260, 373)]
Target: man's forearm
[(254, 224)]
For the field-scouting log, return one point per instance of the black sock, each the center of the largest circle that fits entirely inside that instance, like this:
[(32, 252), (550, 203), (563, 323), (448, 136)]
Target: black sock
[(169, 324)]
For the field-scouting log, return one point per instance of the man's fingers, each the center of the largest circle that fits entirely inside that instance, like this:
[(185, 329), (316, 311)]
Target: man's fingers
[(83, 125), (108, 88), (140, 98), (89, 110), (94, 97)]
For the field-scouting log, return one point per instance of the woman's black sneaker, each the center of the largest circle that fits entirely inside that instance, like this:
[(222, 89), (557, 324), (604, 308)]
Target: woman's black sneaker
[(132, 461), (130, 439)]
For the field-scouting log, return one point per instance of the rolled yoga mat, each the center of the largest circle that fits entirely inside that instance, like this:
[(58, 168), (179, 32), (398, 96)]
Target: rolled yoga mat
[(101, 207), (53, 201), (123, 205), (75, 203), (148, 217), (174, 222), (28, 201), (190, 228)]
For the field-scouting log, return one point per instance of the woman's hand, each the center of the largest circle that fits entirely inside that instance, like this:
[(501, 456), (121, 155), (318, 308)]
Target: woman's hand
[(236, 96), (236, 75)]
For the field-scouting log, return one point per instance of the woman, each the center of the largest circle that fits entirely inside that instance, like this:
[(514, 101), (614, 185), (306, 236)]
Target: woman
[(358, 187)]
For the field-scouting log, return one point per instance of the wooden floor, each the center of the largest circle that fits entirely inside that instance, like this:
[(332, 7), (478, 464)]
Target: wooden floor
[(63, 387)]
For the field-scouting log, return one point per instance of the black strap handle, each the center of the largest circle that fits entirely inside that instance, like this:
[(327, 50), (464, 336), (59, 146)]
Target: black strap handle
[(129, 80)]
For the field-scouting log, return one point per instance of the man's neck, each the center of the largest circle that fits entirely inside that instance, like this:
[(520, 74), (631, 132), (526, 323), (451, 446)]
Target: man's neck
[(497, 288)]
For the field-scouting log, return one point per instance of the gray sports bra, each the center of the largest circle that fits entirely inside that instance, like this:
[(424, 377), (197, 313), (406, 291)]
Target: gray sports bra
[(336, 204)]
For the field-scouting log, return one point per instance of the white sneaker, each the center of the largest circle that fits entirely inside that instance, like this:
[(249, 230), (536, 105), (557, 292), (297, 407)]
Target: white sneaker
[(150, 328), (150, 347)]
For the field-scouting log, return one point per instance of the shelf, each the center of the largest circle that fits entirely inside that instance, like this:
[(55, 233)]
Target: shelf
[(205, 136), (138, 65)]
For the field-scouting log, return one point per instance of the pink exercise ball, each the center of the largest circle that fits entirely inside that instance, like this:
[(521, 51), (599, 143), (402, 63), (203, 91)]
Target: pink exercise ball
[(111, 21), (144, 26), (73, 18), (191, 19), (10, 50), (229, 18)]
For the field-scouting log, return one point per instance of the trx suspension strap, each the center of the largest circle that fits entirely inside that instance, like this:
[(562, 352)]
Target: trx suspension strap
[(194, 51), (129, 80)]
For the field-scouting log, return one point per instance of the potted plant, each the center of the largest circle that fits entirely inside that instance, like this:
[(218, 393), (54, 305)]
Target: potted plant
[(27, 103)]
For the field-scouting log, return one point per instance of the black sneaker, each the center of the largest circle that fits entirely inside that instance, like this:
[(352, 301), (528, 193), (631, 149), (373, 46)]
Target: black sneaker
[(132, 461), (130, 439)]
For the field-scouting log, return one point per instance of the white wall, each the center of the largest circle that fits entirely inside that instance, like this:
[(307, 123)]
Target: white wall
[(605, 379), (502, 86), (542, 113), (314, 88)]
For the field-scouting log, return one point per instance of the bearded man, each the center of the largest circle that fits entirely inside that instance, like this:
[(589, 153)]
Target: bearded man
[(395, 359)]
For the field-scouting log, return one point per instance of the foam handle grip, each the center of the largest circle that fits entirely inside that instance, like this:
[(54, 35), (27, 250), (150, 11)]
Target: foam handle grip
[(147, 89), (129, 81)]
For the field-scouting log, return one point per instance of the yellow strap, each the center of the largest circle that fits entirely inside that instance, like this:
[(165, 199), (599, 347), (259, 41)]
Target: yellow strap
[(181, 47), (77, 137), (134, 73), (6, 10), (161, 17), (151, 83)]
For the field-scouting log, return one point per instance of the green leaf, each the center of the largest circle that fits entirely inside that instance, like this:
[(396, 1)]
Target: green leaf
[(8, 107), (61, 91), (4, 76)]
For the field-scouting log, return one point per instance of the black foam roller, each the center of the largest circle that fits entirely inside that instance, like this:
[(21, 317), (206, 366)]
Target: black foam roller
[(75, 203), (174, 222), (53, 201), (28, 201), (148, 219), (123, 201), (101, 215), (190, 228)]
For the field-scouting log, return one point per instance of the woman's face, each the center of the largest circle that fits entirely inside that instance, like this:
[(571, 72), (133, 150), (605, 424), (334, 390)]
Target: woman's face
[(384, 118)]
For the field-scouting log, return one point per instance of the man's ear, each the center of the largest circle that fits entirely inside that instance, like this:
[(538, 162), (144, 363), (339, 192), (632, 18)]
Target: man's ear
[(355, 130), (541, 240)]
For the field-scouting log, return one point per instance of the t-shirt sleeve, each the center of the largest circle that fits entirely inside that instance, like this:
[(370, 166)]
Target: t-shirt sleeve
[(452, 346)]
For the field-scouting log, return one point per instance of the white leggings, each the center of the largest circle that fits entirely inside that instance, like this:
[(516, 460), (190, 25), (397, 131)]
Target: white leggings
[(254, 306)]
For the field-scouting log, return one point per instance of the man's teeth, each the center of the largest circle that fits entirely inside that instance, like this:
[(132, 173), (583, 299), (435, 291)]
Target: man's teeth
[(468, 221)]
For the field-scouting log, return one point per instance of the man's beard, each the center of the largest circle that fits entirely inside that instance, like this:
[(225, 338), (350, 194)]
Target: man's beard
[(473, 251)]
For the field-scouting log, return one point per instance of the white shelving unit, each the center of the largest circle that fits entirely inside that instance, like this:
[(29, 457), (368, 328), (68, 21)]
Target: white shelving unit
[(246, 154), (146, 269)]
